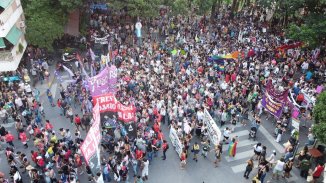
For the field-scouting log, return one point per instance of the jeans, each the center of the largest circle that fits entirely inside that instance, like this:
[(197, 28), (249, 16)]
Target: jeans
[(134, 168), (106, 177), (150, 156), (247, 172), (164, 155), (262, 177)]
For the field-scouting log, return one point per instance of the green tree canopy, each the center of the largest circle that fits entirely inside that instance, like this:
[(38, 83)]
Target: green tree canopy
[(138, 8), (45, 20), (319, 115)]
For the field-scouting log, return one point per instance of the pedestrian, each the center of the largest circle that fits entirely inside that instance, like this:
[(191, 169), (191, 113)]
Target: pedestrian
[(9, 139), (183, 159), (206, 148), (165, 147), (50, 97), (232, 150), (218, 152), (195, 150), (288, 167), (272, 158), (144, 173), (257, 150), (226, 135), (249, 167), (262, 156), (278, 169), (316, 174), (23, 138), (70, 114), (48, 126), (304, 167), (77, 121)]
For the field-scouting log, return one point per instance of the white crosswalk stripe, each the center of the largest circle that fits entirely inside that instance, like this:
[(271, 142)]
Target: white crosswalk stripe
[(245, 149)]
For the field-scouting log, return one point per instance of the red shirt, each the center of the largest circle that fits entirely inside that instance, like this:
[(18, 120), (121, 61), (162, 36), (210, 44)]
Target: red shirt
[(139, 154), (300, 97), (23, 137), (9, 137), (48, 126), (319, 170), (34, 155), (227, 78), (233, 77), (77, 120), (156, 128), (160, 136)]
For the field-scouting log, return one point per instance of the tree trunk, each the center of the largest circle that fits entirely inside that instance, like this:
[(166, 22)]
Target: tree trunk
[(219, 3), (234, 3), (213, 11), (247, 3)]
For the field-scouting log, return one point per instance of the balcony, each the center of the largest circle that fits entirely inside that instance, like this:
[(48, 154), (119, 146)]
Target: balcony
[(6, 56), (9, 17)]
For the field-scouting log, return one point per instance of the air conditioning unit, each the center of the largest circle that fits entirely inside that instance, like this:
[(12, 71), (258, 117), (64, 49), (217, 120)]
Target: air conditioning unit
[(22, 24)]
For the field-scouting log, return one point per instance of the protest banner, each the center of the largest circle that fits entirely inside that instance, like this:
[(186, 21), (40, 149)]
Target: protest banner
[(90, 146), (272, 106), (114, 113), (214, 133), (104, 82), (296, 124), (176, 141), (280, 96)]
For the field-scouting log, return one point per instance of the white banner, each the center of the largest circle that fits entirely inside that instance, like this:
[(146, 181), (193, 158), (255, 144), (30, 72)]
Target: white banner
[(102, 40), (296, 124), (214, 132), (176, 141)]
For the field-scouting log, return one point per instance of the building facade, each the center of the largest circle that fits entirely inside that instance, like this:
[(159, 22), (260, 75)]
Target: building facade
[(12, 34)]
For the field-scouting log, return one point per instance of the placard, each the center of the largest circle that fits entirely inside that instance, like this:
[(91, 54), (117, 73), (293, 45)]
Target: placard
[(176, 141), (214, 133)]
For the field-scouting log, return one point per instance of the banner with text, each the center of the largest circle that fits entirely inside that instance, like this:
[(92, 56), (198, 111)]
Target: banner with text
[(214, 133), (176, 141), (104, 82), (113, 112), (273, 107), (90, 146)]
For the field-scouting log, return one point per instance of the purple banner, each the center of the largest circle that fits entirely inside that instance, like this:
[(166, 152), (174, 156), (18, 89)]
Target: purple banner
[(275, 94), (104, 82), (274, 107)]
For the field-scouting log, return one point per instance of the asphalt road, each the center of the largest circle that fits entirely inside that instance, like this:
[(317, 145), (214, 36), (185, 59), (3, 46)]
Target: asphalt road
[(230, 170)]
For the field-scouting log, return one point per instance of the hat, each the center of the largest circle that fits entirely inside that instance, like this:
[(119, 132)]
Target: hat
[(274, 151), (29, 167), (39, 157)]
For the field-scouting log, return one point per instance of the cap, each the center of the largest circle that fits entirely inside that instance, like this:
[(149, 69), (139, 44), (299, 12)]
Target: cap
[(274, 151)]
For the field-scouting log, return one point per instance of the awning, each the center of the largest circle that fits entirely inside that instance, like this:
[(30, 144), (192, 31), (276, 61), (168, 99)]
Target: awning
[(2, 43), (5, 3), (14, 35)]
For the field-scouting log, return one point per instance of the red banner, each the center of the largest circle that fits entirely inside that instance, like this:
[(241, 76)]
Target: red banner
[(90, 146), (126, 113), (108, 103)]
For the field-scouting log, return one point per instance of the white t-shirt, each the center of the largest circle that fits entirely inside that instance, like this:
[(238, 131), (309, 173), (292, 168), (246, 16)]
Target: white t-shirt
[(279, 165)]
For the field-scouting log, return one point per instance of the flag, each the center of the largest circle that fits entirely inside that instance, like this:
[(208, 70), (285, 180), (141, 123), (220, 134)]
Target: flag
[(82, 65), (108, 57), (92, 54)]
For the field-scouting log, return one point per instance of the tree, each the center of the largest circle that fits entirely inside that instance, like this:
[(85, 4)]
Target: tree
[(319, 115), (45, 20), (138, 8)]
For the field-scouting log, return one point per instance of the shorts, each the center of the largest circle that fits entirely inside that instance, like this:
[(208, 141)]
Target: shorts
[(257, 153), (315, 177), (277, 172), (226, 137)]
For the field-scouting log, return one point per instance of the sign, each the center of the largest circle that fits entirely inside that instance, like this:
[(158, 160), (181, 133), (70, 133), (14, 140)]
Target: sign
[(273, 107), (281, 96), (90, 146), (101, 40), (104, 82), (126, 113), (108, 103), (296, 124), (176, 141), (138, 27), (214, 132)]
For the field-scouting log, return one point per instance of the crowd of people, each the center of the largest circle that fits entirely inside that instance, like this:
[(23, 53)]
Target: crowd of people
[(167, 88)]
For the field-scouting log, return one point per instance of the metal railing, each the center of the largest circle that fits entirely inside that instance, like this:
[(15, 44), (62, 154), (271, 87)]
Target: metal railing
[(6, 56)]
